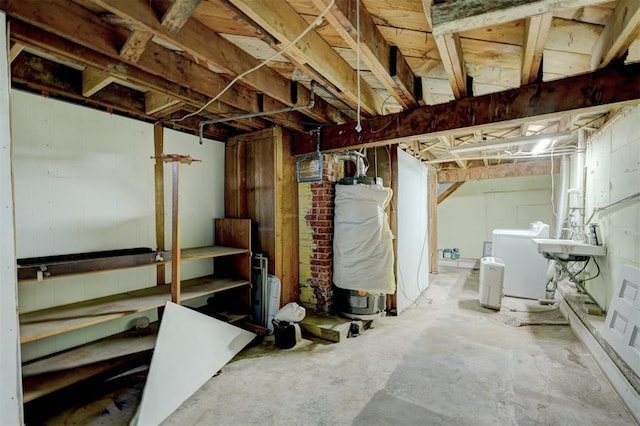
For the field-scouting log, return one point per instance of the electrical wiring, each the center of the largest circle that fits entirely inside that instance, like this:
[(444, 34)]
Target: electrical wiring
[(597, 273), (311, 26)]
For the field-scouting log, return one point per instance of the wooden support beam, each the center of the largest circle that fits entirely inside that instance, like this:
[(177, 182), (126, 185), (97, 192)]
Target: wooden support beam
[(15, 50), (450, 51), (94, 80), (450, 190), (392, 167), (176, 161), (158, 171), (38, 39), (38, 74), (175, 232), (322, 109), (207, 46), (405, 79), (465, 15), (451, 55), (135, 45), (432, 197), (448, 141), (178, 14), (613, 85), (155, 102), (45, 75), (535, 36), (524, 168), (279, 19), (180, 106), (622, 29), (174, 18), (91, 32), (375, 53)]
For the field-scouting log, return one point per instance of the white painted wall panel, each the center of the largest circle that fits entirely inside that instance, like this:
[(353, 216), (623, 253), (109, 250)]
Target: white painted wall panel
[(10, 379), (469, 216), (85, 182), (412, 273)]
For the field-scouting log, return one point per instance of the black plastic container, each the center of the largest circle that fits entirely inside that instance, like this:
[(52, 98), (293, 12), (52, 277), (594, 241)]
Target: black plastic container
[(285, 334)]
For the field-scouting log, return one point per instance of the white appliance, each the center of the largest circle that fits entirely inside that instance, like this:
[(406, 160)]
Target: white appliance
[(525, 272), (491, 281)]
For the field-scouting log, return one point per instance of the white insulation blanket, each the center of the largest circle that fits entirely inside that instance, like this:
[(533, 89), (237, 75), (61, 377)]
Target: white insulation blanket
[(362, 239)]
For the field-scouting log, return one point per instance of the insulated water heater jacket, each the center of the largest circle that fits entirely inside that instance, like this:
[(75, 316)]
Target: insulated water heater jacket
[(362, 240)]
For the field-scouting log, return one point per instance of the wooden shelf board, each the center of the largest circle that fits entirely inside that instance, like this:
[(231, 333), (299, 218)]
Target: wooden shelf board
[(60, 319), (115, 346), (84, 263), (36, 386), (209, 252)]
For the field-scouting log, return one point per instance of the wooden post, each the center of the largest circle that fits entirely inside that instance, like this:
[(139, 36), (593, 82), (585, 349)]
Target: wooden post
[(392, 166), (158, 146), (175, 233), (433, 220), (176, 160)]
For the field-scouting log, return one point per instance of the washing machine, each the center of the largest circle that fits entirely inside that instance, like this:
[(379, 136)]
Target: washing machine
[(525, 273)]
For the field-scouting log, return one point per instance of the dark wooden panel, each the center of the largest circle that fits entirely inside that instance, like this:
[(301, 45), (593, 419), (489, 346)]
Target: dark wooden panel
[(287, 220), (80, 263)]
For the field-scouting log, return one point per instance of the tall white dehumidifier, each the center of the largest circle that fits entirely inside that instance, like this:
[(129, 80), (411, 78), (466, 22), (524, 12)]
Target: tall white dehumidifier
[(491, 282)]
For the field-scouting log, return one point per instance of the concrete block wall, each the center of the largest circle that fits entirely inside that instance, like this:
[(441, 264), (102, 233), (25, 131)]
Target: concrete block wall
[(613, 174), (315, 207)]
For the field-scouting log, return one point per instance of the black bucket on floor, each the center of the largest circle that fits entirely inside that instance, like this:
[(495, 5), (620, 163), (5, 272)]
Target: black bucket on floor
[(284, 333)]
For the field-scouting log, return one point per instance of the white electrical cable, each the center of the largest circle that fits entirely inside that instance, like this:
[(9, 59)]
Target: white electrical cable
[(311, 26), (358, 126)]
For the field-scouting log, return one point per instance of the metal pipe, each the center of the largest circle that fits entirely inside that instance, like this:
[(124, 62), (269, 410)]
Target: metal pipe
[(312, 102), (578, 179), (356, 158), (563, 193)]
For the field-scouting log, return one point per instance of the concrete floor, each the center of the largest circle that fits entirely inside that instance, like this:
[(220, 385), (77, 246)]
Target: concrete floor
[(445, 361)]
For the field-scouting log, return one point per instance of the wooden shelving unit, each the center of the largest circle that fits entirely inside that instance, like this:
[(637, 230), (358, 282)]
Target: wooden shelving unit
[(232, 268), (41, 268), (60, 319)]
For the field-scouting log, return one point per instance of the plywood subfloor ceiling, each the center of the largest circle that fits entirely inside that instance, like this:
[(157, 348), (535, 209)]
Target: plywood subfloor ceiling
[(163, 60)]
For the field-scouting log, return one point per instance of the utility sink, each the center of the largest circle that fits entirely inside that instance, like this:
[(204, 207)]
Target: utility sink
[(568, 250)]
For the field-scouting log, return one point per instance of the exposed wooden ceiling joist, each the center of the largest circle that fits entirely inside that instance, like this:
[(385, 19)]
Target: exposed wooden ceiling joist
[(135, 45), (40, 39), (447, 140), (52, 78), (155, 102), (15, 50), (622, 28), (375, 53), (450, 50), (528, 168), (94, 80), (74, 23), (535, 36), (612, 85), (208, 47), (465, 15), (451, 55), (281, 21)]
